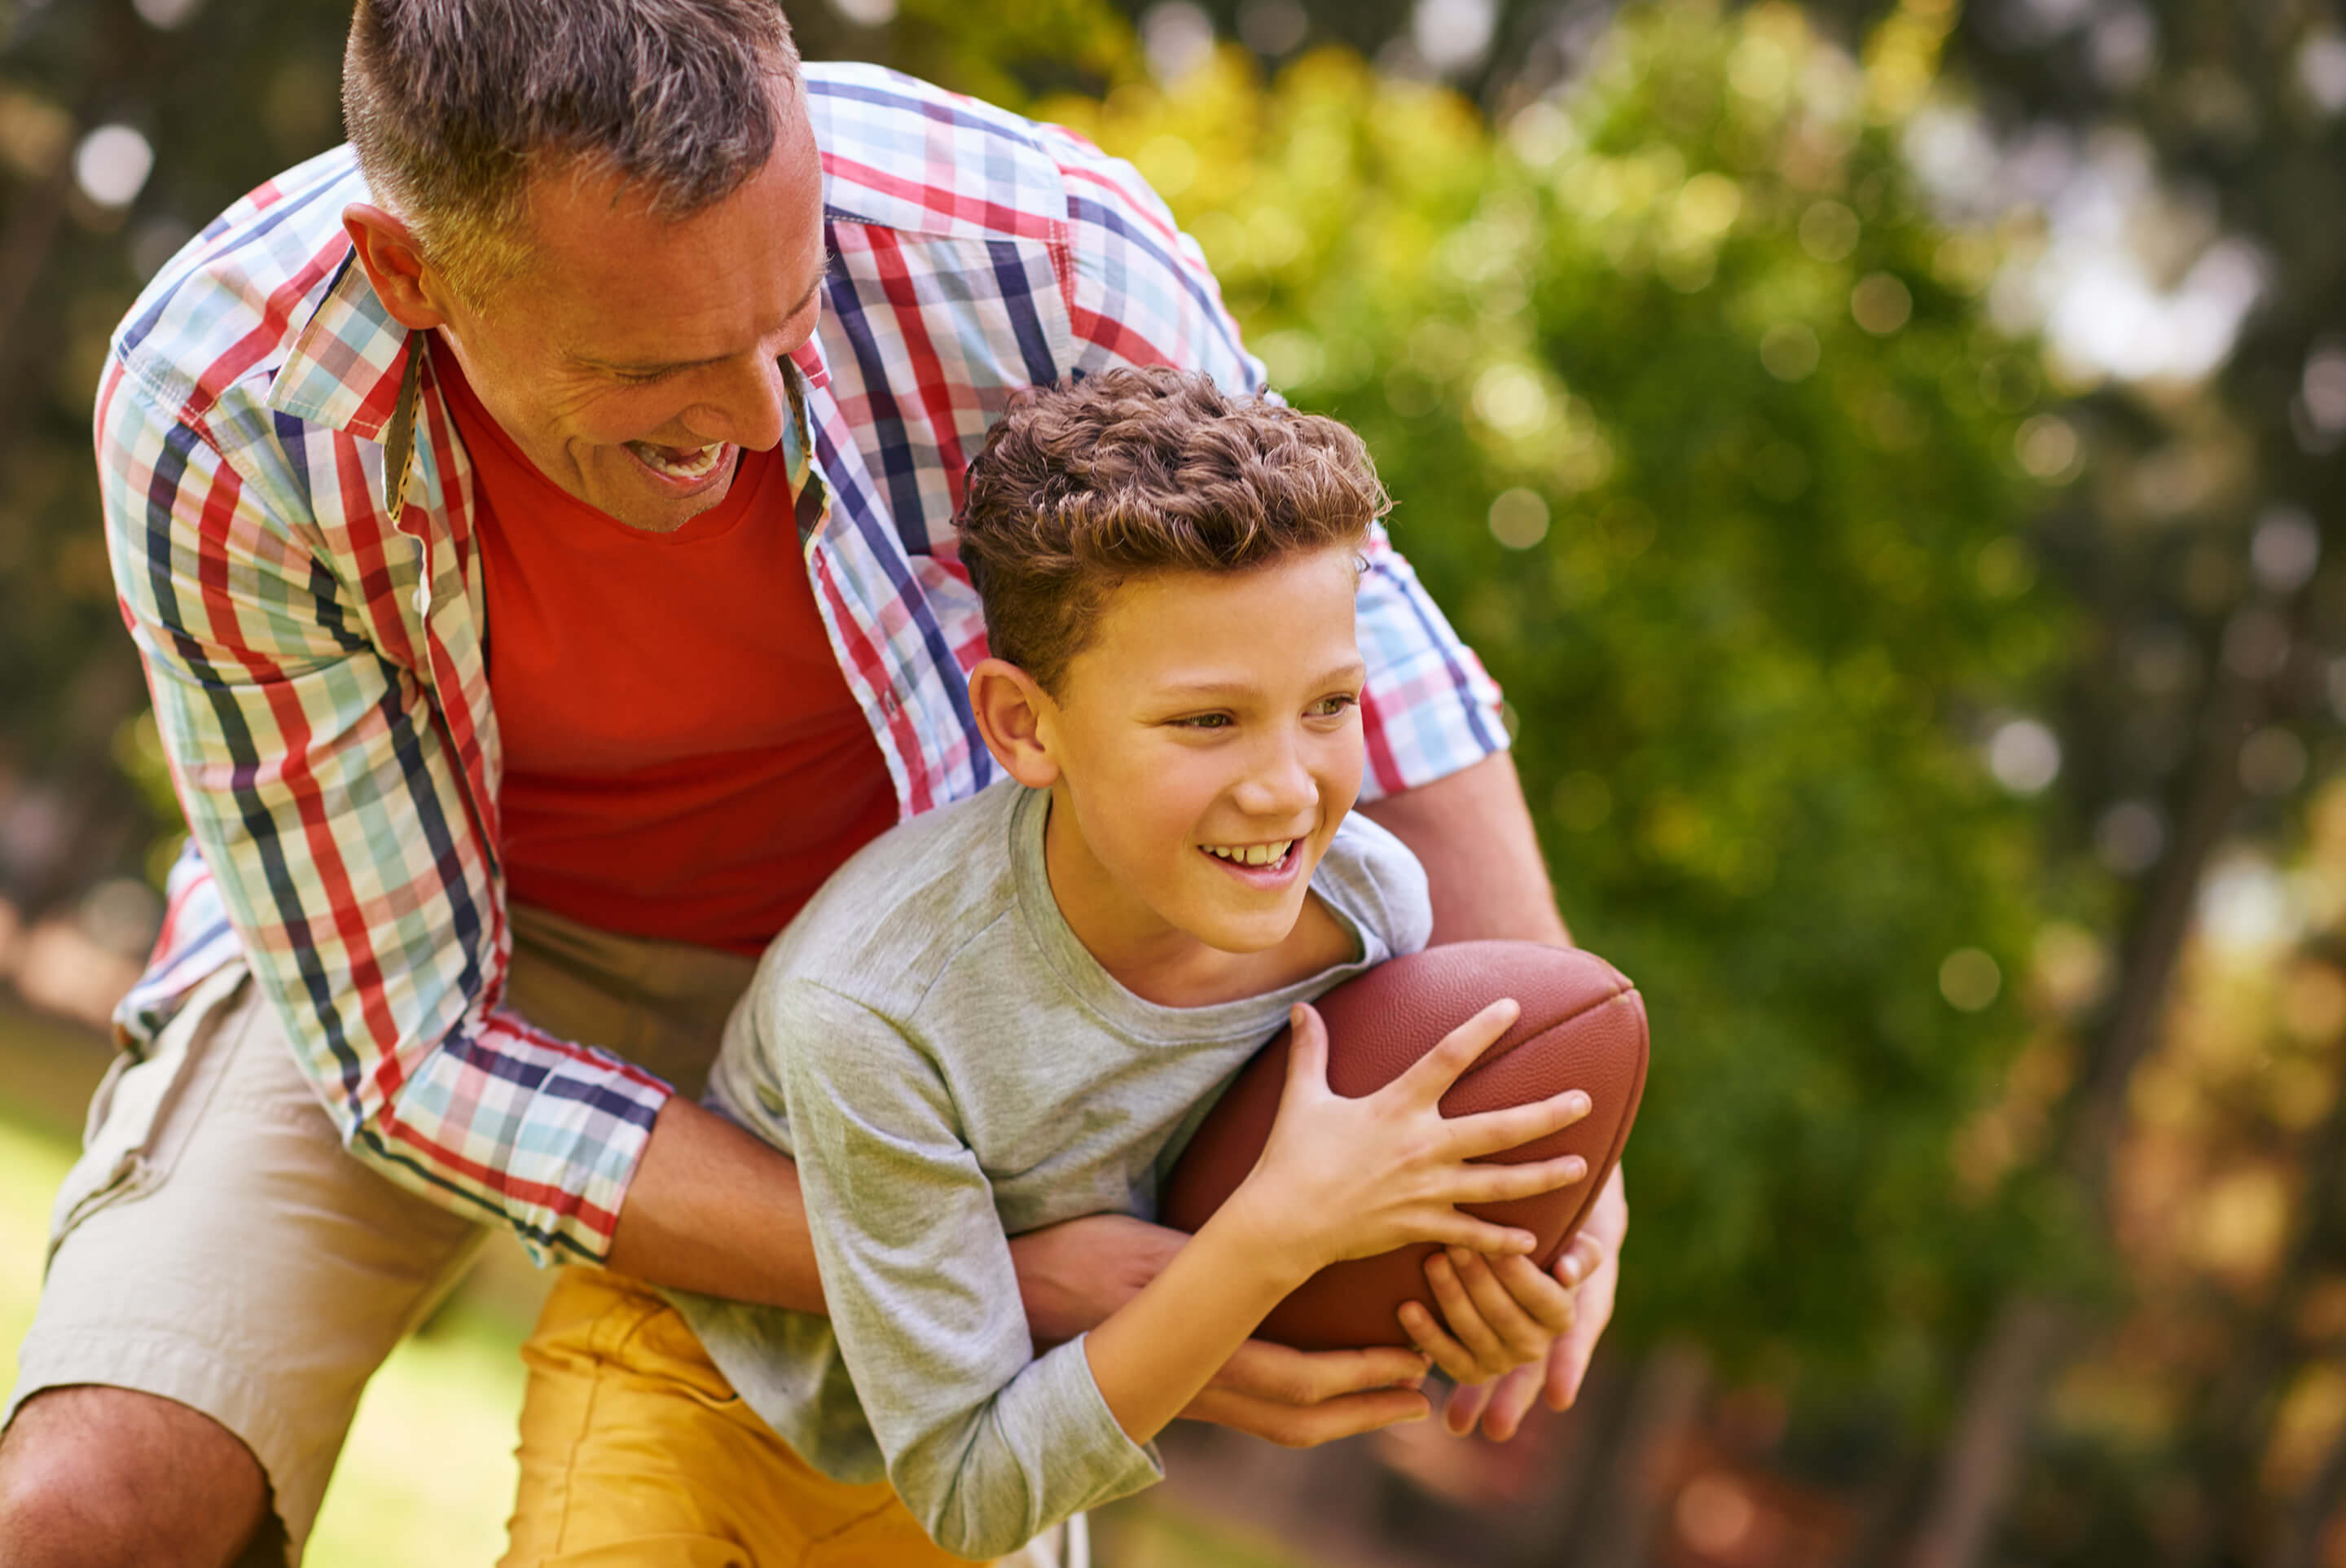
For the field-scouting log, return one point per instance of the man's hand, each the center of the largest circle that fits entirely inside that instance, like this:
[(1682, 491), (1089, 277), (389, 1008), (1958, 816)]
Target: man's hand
[(1074, 1274), (1591, 1269)]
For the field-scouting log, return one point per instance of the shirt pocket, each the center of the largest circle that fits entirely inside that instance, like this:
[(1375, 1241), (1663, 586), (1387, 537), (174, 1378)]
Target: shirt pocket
[(139, 1115)]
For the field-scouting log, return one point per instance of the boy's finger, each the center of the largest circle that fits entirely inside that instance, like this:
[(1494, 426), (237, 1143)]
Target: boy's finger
[(1456, 1229), (1307, 1053), (1522, 1337), (1537, 1292), (1429, 1077), (1457, 1363), (1503, 1184), (1490, 1132), (1462, 1314)]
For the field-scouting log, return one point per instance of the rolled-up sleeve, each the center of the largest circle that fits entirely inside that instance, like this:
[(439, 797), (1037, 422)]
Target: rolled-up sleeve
[(328, 809)]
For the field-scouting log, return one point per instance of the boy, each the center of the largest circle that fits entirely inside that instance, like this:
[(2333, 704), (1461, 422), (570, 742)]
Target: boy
[(1014, 1010)]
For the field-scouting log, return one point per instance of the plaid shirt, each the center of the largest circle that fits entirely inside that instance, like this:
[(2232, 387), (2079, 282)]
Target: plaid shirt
[(293, 525)]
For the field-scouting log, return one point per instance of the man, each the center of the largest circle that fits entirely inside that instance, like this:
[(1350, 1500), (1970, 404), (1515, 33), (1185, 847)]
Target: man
[(446, 479)]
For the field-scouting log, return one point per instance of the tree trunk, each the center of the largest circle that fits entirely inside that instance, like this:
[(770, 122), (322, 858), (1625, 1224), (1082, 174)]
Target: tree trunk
[(2310, 1515), (2235, 1425), (1665, 1402), (1982, 1456), (2026, 1346)]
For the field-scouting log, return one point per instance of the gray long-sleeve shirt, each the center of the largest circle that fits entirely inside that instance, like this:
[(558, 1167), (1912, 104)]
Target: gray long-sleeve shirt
[(950, 1066)]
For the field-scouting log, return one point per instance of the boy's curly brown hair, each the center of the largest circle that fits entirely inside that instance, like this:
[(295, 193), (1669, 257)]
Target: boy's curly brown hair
[(1089, 484)]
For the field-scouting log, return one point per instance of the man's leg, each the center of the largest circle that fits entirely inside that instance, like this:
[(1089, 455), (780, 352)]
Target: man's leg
[(225, 1280), (100, 1475)]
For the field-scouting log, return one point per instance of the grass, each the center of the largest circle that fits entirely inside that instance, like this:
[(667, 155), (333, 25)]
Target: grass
[(428, 1473)]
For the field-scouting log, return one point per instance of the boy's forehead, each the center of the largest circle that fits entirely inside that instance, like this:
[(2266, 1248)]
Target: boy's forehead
[(1193, 626)]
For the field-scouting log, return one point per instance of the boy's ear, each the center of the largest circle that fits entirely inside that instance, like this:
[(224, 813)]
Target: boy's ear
[(1012, 712)]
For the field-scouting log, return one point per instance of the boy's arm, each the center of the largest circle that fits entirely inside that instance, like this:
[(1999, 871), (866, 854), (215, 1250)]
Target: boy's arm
[(987, 1443)]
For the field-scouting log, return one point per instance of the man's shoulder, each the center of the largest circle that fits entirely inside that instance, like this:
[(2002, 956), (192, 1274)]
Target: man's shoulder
[(904, 154), (227, 309)]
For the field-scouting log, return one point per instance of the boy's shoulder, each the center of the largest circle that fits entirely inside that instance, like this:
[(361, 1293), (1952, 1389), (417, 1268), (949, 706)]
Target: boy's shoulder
[(886, 923), (1370, 876)]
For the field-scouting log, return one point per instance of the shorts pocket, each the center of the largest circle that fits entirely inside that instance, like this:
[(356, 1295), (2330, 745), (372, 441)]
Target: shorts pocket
[(127, 1149)]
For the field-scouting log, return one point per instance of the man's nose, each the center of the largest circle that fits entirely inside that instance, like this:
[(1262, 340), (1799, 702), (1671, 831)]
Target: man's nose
[(749, 408)]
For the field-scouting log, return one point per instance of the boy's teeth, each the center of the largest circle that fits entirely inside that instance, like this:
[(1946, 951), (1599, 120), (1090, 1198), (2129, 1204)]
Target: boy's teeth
[(694, 465), (1252, 854)]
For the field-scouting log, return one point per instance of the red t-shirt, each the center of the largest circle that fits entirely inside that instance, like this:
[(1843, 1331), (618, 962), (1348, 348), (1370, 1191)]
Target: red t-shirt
[(682, 756)]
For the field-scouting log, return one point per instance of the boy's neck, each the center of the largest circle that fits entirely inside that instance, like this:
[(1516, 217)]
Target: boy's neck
[(1160, 962)]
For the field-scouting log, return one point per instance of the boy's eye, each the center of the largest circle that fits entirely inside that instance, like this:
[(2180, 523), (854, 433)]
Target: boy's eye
[(1334, 707), (1204, 721)]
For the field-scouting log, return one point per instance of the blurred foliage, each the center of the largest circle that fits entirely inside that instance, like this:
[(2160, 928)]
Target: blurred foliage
[(1004, 53), (69, 267), (1694, 423), (1697, 427)]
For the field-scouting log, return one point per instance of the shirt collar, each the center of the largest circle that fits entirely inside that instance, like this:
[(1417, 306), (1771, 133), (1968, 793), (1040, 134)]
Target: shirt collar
[(345, 368), (351, 369)]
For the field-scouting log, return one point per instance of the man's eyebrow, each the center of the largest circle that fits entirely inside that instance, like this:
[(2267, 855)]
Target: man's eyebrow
[(662, 367)]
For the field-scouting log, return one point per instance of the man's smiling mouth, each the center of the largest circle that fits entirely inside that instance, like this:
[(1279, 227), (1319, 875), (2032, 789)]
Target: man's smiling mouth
[(688, 465)]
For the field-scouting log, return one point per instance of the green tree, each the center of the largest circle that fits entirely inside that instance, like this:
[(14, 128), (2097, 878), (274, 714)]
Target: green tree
[(1692, 417)]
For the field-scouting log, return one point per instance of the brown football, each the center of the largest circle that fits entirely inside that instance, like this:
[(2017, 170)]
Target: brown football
[(1583, 1027)]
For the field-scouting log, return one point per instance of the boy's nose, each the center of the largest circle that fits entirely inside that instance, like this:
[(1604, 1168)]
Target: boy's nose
[(1279, 785)]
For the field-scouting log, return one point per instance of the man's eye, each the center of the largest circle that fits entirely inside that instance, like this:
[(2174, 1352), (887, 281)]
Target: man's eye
[(641, 378)]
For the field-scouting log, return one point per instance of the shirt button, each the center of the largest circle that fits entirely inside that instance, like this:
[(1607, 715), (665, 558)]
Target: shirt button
[(422, 601)]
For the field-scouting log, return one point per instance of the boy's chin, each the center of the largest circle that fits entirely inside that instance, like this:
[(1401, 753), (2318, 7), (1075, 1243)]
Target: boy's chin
[(1243, 935)]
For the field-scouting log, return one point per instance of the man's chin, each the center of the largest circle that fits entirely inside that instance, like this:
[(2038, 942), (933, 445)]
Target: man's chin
[(653, 503)]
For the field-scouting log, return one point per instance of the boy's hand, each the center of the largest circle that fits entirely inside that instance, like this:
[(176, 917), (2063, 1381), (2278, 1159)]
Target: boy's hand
[(1501, 1313), (1591, 1269), (1343, 1178)]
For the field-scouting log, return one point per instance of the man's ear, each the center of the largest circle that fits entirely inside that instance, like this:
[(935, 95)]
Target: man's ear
[(1013, 714), (394, 264)]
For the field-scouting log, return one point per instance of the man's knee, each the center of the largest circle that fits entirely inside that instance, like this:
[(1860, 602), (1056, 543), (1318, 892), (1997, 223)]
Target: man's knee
[(94, 1477)]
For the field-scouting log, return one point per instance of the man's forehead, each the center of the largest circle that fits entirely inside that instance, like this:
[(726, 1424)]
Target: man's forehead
[(626, 281)]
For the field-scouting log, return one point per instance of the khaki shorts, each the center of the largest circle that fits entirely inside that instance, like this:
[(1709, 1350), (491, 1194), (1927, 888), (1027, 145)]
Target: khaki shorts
[(215, 1244)]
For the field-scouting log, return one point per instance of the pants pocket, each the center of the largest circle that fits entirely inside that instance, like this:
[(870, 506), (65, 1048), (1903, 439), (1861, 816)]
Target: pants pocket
[(126, 1147)]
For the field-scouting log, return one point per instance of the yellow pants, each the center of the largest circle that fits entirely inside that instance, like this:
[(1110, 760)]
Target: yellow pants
[(635, 1450)]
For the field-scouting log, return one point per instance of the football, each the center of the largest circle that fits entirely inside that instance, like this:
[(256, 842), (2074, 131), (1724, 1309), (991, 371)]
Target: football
[(1583, 1027)]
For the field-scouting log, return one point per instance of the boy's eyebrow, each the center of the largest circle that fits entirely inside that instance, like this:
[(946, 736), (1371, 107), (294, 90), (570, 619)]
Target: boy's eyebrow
[(1352, 671)]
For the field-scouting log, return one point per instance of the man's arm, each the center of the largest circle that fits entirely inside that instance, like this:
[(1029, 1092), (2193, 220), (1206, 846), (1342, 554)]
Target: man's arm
[(1472, 833), (329, 806)]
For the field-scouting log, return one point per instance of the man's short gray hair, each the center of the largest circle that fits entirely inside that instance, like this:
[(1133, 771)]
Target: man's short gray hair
[(452, 105)]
